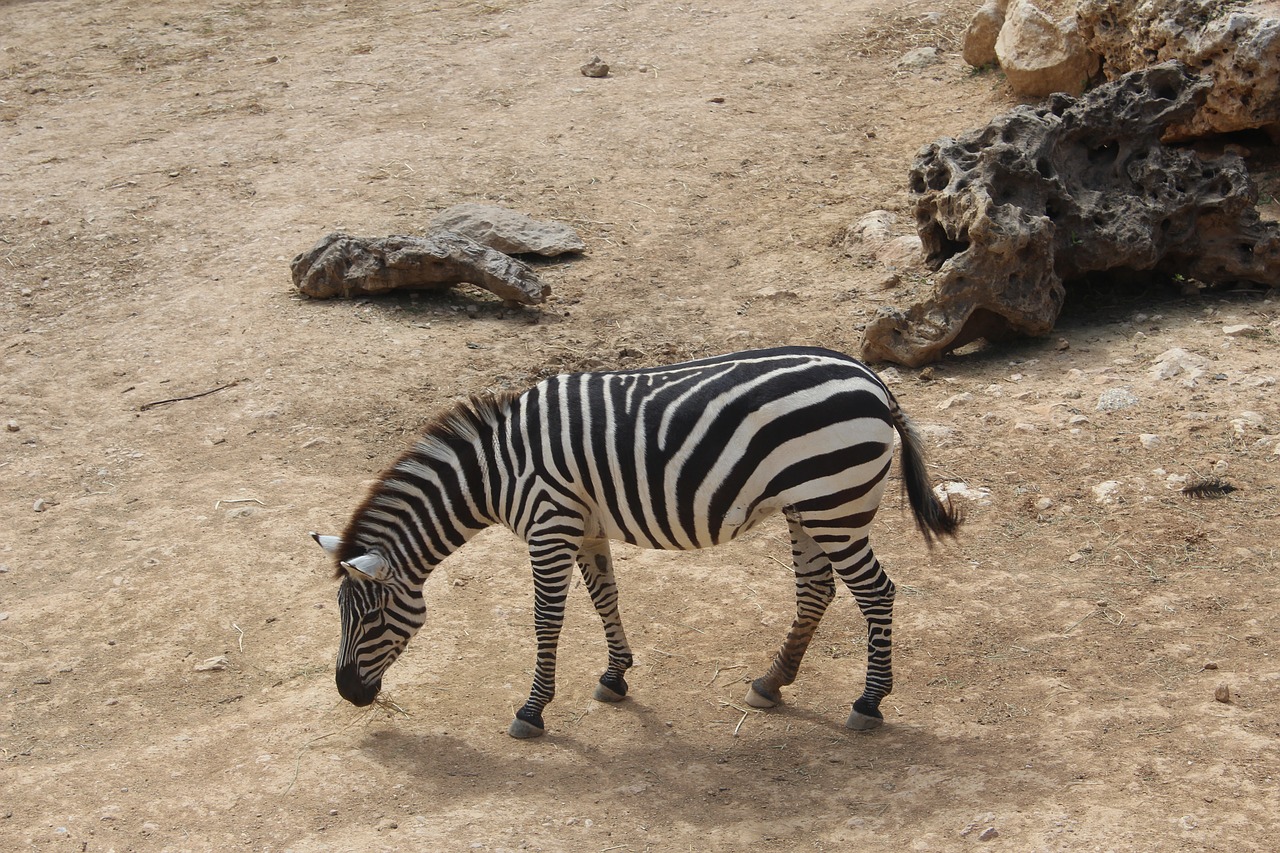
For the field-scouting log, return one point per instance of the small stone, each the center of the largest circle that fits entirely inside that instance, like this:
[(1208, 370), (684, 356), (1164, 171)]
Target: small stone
[(387, 823), (113, 701), (213, 664), (1044, 503), (1149, 440), (1222, 693), (44, 679), (1105, 492), (989, 833), (1114, 399), (921, 57), (1210, 665), (12, 426), (1237, 330), (3, 616), (40, 505), (956, 400), (595, 68)]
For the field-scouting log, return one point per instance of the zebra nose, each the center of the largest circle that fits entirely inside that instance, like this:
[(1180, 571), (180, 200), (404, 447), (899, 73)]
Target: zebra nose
[(353, 689)]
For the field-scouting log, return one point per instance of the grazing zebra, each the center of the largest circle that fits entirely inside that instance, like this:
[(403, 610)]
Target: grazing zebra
[(678, 457)]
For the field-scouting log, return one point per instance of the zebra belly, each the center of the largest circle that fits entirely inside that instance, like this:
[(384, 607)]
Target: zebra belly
[(737, 521)]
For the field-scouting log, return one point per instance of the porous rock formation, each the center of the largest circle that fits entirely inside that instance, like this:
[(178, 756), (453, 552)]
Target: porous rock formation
[(1011, 213), (1236, 43)]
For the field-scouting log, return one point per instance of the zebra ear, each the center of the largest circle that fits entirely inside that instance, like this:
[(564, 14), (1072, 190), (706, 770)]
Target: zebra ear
[(370, 565), (328, 543)]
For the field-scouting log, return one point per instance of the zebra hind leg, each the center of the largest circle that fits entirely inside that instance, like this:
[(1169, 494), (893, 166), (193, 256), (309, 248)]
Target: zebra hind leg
[(874, 592), (815, 587), (596, 565)]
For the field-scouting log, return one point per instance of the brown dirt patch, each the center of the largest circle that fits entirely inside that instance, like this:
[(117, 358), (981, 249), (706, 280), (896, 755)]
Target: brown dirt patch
[(162, 163)]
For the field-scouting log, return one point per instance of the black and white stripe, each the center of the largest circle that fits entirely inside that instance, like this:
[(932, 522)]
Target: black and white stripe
[(679, 457)]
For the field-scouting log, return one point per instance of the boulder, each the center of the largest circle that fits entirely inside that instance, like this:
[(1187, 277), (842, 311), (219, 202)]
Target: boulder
[(1009, 214), (979, 45), (1236, 45), (1040, 55)]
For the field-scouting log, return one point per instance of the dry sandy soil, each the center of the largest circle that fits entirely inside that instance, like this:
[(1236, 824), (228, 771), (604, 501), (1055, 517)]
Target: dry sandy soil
[(162, 163)]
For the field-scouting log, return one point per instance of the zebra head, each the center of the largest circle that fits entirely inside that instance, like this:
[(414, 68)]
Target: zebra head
[(379, 614)]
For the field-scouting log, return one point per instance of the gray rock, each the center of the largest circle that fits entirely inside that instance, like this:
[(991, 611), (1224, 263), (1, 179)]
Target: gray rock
[(1044, 195), (508, 231)]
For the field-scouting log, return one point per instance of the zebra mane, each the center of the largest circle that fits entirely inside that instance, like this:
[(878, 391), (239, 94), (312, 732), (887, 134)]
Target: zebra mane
[(467, 419)]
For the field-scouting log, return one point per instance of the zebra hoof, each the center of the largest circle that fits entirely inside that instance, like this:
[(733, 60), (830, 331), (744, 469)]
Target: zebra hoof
[(861, 722), (758, 696), (605, 693), (523, 730)]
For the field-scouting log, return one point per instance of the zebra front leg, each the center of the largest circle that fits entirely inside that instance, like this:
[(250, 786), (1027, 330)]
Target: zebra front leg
[(815, 587), (874, 593), (552, 570), (596, 564)]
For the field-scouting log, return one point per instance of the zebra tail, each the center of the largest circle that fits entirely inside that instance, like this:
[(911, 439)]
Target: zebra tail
[(934, 518)]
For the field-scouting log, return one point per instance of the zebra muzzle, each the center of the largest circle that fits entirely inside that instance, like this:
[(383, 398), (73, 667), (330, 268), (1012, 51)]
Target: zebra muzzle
[(352, 688)]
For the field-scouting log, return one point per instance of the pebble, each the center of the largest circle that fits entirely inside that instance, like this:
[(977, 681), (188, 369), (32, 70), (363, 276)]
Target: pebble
[(4, 616), (1222, 693), (1105, 492), (1114, 399), (595, 68), (40, 505), (1149, 440), (1237, 330), (12, 426), (956, 400), (1044, 503), (989, 833)]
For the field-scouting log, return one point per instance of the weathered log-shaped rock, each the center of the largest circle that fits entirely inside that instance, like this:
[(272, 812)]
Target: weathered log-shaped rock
[(1009, 214), (1237, 45), (343, 265), (508, 230)]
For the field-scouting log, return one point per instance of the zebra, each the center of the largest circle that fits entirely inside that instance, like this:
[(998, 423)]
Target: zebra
[(679, 457)]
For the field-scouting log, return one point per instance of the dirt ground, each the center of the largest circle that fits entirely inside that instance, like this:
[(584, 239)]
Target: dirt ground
[(161, 164)]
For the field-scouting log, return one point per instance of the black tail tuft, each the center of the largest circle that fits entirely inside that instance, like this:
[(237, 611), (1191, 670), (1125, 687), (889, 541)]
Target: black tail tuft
[(934, 518)]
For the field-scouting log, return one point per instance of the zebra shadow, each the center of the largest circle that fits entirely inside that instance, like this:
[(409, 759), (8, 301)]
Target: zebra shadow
[(664, 766)]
